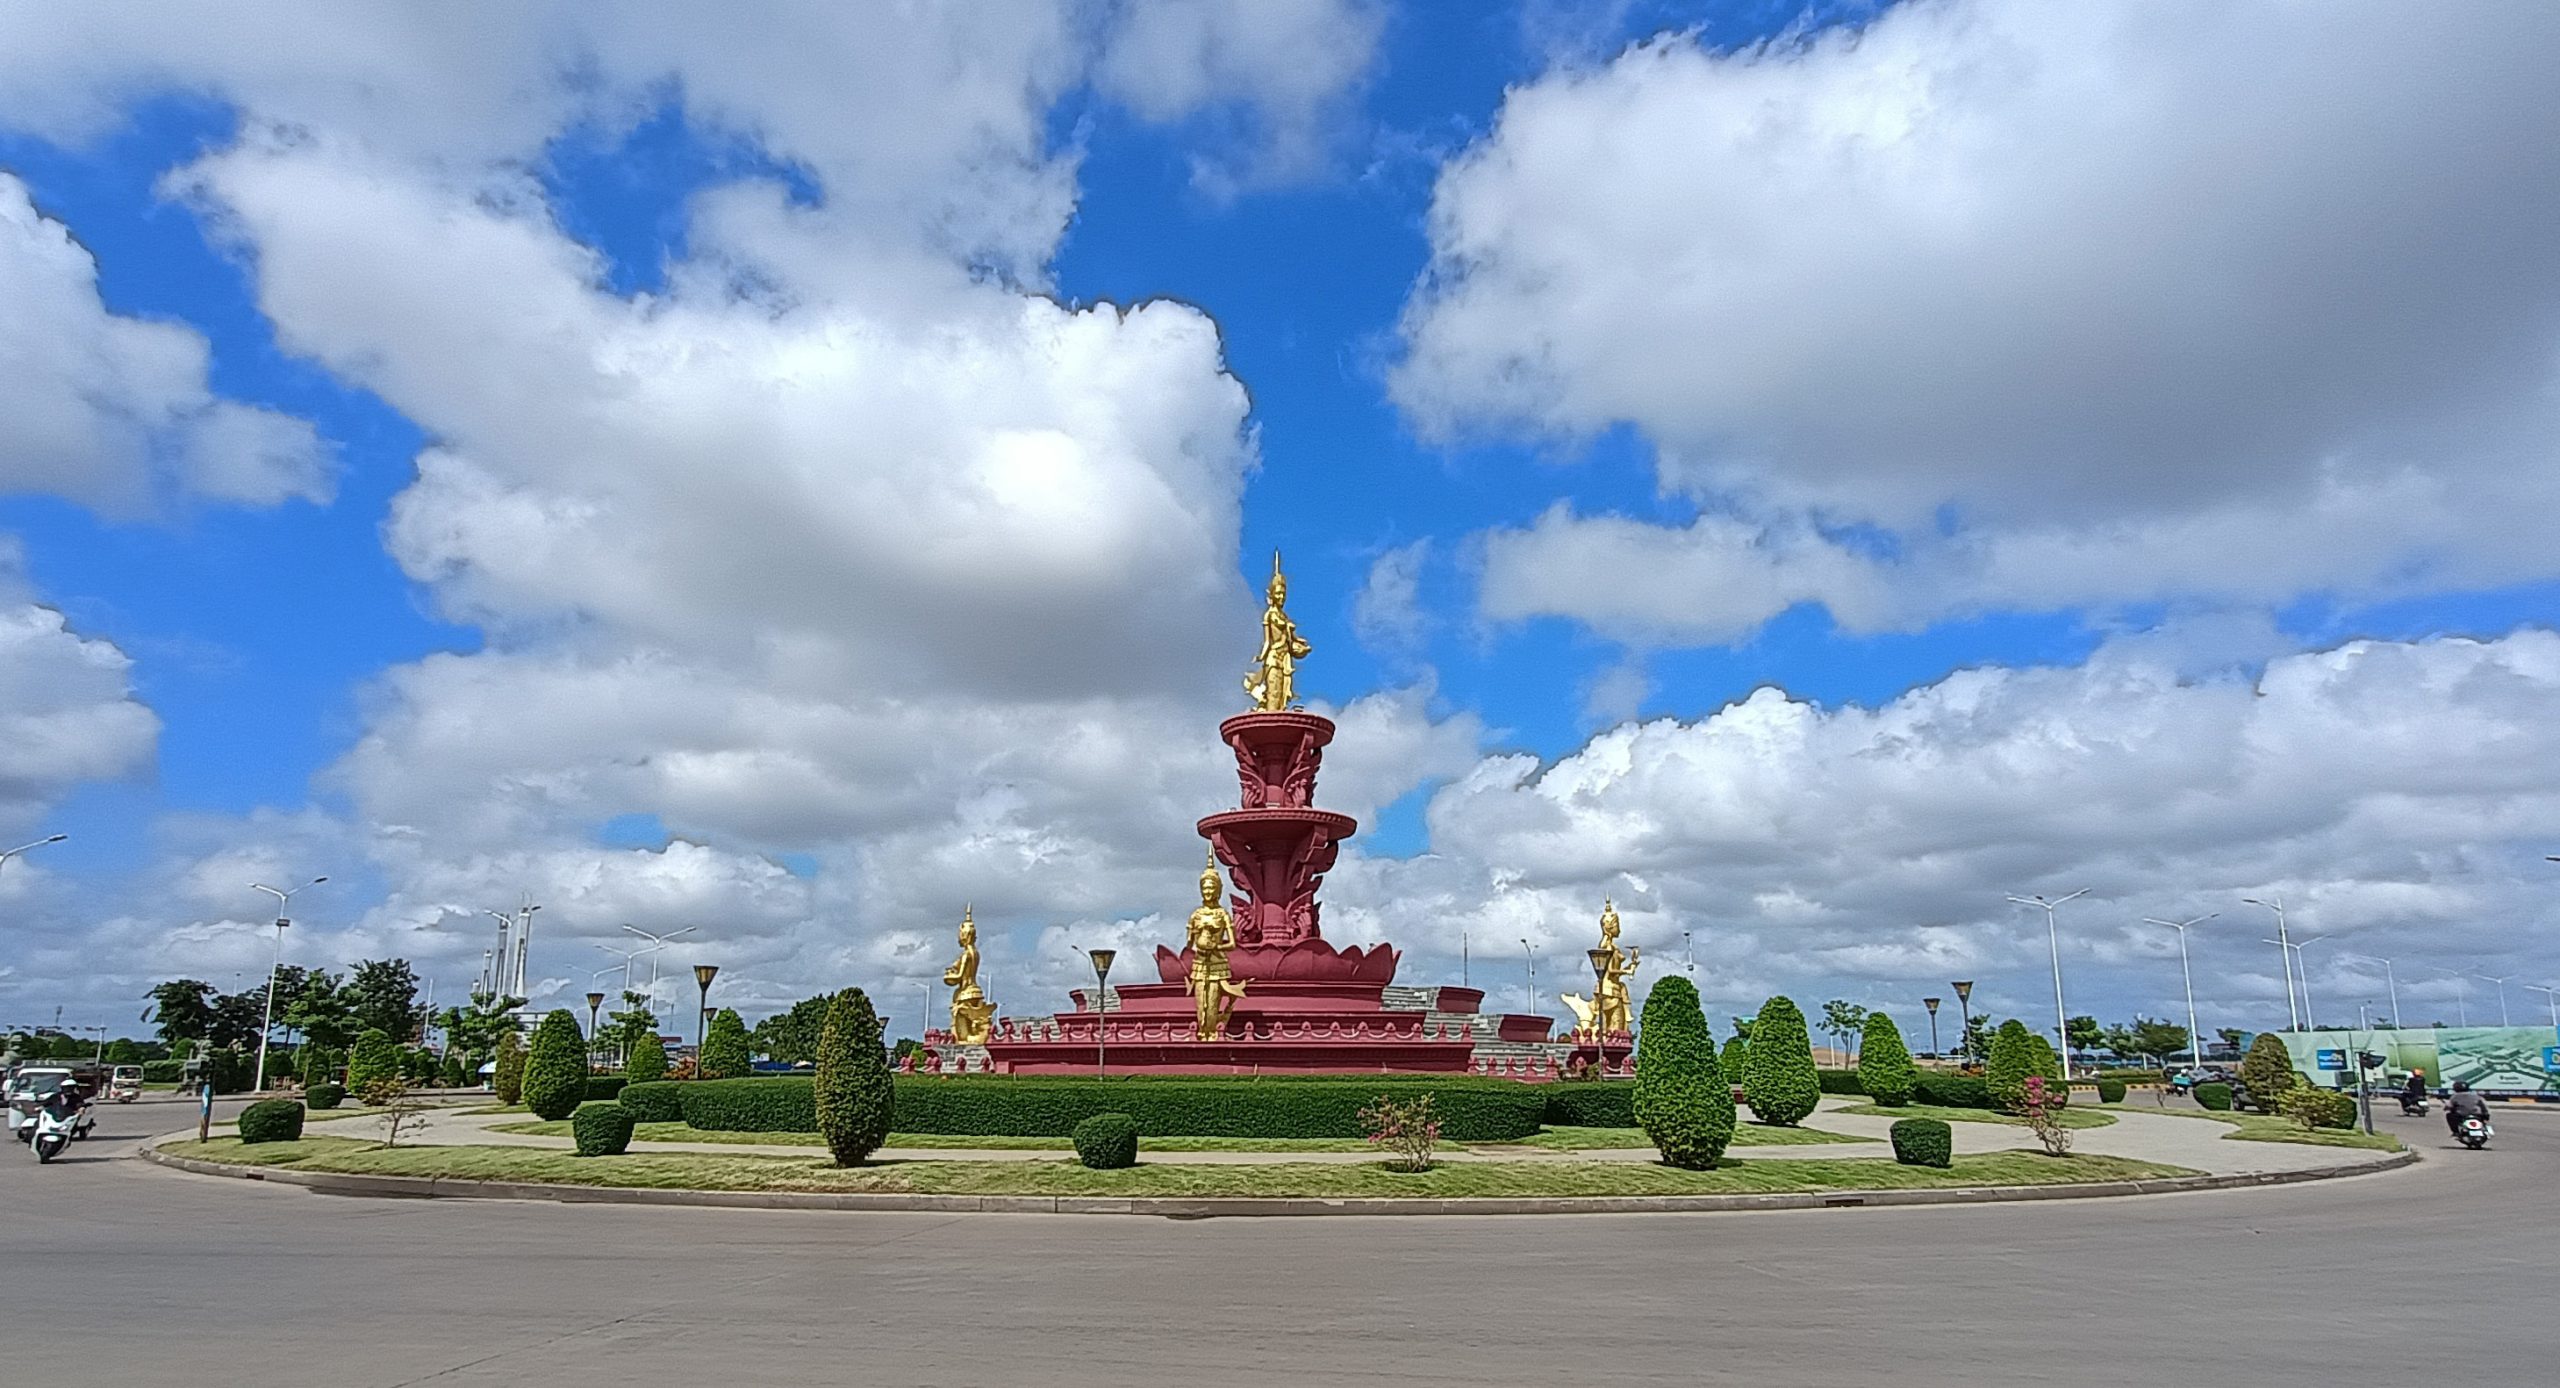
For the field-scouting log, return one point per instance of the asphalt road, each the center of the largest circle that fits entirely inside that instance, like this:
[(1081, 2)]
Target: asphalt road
[(118, 1273)]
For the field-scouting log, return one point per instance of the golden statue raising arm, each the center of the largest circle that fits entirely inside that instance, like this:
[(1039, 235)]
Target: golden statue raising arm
[(1273, 681)]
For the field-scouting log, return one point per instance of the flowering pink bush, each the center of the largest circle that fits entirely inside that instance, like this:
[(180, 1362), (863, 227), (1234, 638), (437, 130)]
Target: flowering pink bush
[(2043, 1109), (1407, 1130)]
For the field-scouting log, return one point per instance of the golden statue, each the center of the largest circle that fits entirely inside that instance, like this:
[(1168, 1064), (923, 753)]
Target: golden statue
[(970, 1010), (1273, 681), (1212, 934), (1606, 1012)]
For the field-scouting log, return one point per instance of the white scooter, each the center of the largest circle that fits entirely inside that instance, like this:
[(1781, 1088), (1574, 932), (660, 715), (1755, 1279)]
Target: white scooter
[(2474, 1133), (49, 1133)]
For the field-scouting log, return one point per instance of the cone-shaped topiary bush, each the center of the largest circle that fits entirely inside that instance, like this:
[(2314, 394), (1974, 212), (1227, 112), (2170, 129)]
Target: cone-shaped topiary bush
[(2057, 1091), (1778, 1078), (271, 1120), (1107, 1141), (375, 1059), (555, 1069), (1885, 1070), (508, 1078), (601, 1130), (450, 1075), (2267, 1073), (648, 1059), (1682, 1100), (1735, 1060), (2013, 1057), (853, 1095), (724, 1049), (1923, 1142)]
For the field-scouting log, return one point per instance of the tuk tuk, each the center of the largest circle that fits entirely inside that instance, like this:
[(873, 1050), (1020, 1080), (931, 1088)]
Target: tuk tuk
[(124, 1083)]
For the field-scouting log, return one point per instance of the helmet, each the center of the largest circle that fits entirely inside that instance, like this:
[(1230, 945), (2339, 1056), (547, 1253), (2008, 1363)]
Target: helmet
[(2462, 1086)]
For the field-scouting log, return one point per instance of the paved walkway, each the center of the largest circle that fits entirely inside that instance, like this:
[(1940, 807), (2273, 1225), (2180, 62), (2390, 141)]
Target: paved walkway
[(2196, 1143)]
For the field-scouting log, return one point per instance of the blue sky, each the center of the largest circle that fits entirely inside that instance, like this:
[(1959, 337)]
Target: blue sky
[(1598, 371)]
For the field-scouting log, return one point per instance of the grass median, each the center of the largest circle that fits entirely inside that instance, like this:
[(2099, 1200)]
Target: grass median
[(2071, 1117), (2267, 1127), (1553, 1139), (713, 1171)]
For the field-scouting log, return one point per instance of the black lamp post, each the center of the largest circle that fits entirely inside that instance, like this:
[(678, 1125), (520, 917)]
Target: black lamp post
[(595, 1003), (1964, 1002), (1932, 1005), (702, 976), (1101, 1009)]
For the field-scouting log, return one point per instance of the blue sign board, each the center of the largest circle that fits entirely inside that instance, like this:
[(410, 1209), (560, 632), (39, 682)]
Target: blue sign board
[(2331, 1059)]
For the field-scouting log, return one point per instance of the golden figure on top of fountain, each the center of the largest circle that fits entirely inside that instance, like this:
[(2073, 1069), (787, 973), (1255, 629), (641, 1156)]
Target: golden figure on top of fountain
[(1606, 1011), (1273, 680), (970, 1010), (1212, 934)]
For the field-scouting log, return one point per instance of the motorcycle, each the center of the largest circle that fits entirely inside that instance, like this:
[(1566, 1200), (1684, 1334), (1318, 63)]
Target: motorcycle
[(2474, 1133), (48, 1133), (2413, 1108)]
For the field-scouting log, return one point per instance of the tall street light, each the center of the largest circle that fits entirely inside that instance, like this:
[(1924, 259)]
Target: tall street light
[(2461, 992), (2195, 1038), (2302, 965), (2389, 980), (1530, 954), (1964, 1012), (8, 853), (2551, 996), (702, 975), (1688, 956), (2284, 951), (1932, 1005), (595, 1003), (1102, 1009), (661, 942), (268, 1021), (2053, 938), (2502, 993)]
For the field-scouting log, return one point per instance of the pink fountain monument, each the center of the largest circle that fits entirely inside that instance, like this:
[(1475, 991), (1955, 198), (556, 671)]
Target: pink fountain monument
[(1256, 987)]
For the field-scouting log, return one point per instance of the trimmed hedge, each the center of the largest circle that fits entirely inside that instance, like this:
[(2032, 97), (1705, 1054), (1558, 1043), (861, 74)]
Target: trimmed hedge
[(1779, 1079), (1470, 1108), (656, 1101), (1924, 1142), (1682, 1100), (601, 1088), (1838, 1082), (1591, 1104), (324, 1096), (601, 1130), (271, 1120), (2214, 1096), (1885, 1070), (2111, 1091), (555, 1069), (1107, 1141), (1952, 1091)]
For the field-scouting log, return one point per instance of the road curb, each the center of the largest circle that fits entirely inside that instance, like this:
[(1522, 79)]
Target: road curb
[(1168, 1207)]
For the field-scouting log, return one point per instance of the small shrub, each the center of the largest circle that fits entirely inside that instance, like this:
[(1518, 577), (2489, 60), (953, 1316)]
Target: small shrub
[(1682, 1099), (271, 1120), (2216, 1097), (507, 1079), (2111, 1091), (601, 1130), (324, 1096), (2267, 1073), (2314, 1108), (1780, 1083), (2043, 1109), (1107, 1141), (852, 1097), (1885, 1070), (452, 1075), (402, 1111), (555, 1067), (1407, 1130), (1924, 1142)]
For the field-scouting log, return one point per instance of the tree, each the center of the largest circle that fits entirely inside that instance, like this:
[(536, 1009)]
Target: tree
[(235, 1017), (555, 1068), (792, 1036), (375, 1059), (452, 1074), (1779, 1082), (182, 1008), (2267, 1071), (476, 1029), (123, 1052), (1975, 1044), (854, 1096), (1682, 1100), (2082, 1033), (1736, 1058), (646, 1060), (635, 1023), (725, 1055), (383, 995), (2013, 1058), (2117, 1039), (2235, 1038), (2156, 1039), (508, 1078), (1842, 1020), (320, 1011), (1885, 1070)]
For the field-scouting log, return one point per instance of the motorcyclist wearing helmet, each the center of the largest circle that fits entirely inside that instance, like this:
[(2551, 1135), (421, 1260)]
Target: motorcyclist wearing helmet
[(2464, 1104)]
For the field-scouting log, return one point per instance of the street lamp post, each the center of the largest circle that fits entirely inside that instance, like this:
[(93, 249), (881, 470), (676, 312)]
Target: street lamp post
[(2550, 996), (1964, 1011), (2195, 1038), (267, 1022), (2284, 951), (2053, 939), (2389, 981), (2502, 993), (702, 976), (2461, 992), (661, 942), (1102, 1009), (1688, 956), (2293, 952), (1932, 1005), (1463, 980), (1531, 955), (595, 1003), (7, 853)]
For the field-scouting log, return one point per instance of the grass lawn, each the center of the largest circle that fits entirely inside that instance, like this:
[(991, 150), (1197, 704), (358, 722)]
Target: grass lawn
[(1564, 1139), (2262, 1127), (705, 1171), (679, 1132), (2072, 1117)]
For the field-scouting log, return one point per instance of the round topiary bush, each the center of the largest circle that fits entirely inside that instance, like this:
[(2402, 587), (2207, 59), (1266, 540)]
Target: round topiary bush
[(852, 1093), (1778, 1079), (1924, 1142), (1682, 1100), (555, 1068), (324, 1096), (506, 1077), (601, 1130), (2214, 1096), (1107, 1141), (2111, 1091), (1885, 1070), (271, 1120)]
